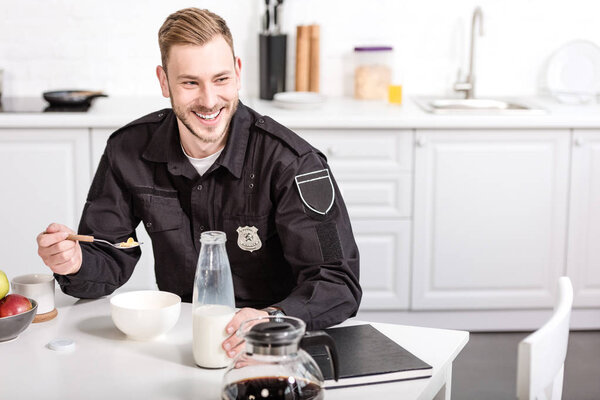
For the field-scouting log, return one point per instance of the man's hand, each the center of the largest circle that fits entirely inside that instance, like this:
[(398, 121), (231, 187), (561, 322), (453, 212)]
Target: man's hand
[(233, 344), (60, 255)]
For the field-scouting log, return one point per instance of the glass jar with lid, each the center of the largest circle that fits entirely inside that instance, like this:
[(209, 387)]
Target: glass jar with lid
[(372, 72)]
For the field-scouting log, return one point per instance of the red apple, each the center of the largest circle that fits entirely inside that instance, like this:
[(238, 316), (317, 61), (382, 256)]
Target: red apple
[(14, 304)]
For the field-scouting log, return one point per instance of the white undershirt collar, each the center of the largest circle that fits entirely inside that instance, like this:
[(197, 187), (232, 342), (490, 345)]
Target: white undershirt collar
[(202, 164)]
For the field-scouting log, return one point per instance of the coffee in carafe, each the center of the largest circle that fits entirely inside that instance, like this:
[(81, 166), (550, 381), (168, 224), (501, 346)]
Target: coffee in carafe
[(273, 388), (273, 364)]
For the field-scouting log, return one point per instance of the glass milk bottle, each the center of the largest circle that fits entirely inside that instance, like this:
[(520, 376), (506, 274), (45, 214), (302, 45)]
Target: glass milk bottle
[(213, 302)]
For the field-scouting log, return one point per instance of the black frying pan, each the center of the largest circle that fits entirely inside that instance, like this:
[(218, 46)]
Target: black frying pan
[(71, 98)]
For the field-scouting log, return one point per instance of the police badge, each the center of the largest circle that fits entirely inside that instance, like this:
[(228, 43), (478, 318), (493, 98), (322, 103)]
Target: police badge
[(248, 238)]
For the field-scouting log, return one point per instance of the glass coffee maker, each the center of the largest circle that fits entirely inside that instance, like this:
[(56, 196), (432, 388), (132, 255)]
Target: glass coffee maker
[(273, 365)]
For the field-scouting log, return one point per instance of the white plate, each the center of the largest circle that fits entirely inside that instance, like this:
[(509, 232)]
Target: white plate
[(298, 100), (573, 74)]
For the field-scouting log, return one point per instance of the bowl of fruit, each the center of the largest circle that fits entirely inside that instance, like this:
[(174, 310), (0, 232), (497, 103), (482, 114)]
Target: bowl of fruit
[(16, 311)]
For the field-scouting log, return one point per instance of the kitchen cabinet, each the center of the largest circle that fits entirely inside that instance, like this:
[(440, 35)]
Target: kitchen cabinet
[(373, 169), (45, 178), (143, 276), (583, 252), (462, 222), (384, 263), (490, 218)]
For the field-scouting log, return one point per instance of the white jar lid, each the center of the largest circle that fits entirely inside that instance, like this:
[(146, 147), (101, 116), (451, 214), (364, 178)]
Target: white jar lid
[(62, 345)]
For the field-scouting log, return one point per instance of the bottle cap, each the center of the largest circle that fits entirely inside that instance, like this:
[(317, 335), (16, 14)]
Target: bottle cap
[(62, 345), (213, 237)]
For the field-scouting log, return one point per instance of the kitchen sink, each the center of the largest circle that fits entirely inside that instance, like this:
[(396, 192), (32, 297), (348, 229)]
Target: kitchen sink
[(470, 104), (476, 106)]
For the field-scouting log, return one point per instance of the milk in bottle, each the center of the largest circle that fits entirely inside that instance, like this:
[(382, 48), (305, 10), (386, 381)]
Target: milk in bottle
[(213, 301)]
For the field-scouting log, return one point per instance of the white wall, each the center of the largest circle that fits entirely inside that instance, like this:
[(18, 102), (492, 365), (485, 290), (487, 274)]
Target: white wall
[(112, 44)]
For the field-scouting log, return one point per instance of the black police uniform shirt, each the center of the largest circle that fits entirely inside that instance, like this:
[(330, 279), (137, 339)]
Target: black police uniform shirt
[(289, 239)]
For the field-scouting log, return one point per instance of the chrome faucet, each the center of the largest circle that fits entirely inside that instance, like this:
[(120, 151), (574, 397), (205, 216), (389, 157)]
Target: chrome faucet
[(468, 86)]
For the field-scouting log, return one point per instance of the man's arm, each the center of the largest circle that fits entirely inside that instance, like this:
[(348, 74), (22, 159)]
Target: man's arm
[(107, 215), (318, 243)]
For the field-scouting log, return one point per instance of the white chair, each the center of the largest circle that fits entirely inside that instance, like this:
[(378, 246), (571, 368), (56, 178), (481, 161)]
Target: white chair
[(542, 354)]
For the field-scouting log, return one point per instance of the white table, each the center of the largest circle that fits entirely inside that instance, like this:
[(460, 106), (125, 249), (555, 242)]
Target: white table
[(107, 365)]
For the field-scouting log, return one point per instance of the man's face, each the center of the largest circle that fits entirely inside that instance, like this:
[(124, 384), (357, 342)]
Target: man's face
[(203, 84)]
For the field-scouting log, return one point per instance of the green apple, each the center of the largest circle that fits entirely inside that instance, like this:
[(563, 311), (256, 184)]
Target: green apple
[(4, 285)]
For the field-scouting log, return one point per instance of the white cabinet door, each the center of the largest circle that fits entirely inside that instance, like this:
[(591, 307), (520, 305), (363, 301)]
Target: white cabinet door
[(489, 218), (384, 248), (363, 149), (143, 276), (45, 177), (583, 260)]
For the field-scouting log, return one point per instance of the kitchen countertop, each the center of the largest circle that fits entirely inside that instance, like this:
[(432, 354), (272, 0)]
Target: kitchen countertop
[(342, 113)]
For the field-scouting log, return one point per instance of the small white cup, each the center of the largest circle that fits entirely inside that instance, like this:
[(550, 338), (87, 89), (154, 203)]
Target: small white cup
[(39, 287)]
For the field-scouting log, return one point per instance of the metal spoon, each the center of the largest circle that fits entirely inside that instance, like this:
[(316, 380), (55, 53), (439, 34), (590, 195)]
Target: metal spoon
[(89, 239)]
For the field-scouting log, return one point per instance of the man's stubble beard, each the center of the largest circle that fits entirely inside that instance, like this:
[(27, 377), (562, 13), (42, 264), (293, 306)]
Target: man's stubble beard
[(183, 112)]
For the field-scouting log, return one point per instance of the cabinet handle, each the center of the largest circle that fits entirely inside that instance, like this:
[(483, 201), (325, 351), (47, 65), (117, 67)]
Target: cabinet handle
[(579, 142), (421, 142)]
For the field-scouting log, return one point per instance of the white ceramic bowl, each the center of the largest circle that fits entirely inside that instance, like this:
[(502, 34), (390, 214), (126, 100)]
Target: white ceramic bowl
[(145, 314)]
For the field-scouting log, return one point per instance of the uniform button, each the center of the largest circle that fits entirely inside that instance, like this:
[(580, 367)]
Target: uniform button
[(251, 176), (148, 224), (202, 228), (160, 115), (199, 187), (251, 185), (261, 121)]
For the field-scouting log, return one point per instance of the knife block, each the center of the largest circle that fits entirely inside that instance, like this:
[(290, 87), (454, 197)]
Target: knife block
[(272, 64)]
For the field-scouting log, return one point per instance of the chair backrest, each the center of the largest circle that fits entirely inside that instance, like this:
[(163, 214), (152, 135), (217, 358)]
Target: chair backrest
[(541, 358)]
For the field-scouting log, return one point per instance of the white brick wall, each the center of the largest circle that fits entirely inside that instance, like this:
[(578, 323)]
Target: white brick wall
[(111, 45)]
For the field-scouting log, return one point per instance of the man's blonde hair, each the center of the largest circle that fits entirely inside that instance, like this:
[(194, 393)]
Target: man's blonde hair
[(191, 26)]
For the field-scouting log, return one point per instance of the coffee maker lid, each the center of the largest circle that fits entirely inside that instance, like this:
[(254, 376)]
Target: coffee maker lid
[(276, 331)]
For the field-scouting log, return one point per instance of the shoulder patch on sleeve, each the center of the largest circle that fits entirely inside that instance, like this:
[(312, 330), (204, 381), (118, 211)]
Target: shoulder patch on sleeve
[(286, 135), (316, 190)]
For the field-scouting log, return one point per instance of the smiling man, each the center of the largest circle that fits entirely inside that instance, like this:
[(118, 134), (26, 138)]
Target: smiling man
[(203, 84), (211, 163)]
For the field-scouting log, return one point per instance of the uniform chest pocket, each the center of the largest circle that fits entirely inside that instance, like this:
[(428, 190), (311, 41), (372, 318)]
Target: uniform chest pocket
[(248, 243), (160, 213)]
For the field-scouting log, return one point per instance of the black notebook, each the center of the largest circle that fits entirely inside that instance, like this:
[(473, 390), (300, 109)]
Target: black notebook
[(366, 356)]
